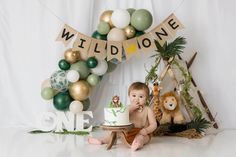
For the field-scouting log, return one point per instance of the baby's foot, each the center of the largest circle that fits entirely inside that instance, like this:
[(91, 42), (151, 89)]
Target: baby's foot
[(94, 141), (136, 145)]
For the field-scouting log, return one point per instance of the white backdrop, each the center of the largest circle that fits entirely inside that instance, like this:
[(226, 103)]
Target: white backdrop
[(29, 53)]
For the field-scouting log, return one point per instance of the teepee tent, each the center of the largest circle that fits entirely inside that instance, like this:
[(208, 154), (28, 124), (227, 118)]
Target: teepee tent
[(171, 73)]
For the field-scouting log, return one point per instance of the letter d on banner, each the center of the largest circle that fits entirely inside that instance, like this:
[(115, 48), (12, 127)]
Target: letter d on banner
[(66, 35)]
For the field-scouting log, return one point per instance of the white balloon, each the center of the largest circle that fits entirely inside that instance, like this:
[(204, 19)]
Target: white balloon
[(76, 107), (116, 34), (120, 18), (72, 75), (101, 68)]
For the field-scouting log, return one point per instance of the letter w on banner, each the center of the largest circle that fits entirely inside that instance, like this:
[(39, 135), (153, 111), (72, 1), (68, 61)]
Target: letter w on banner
[(66, 35)]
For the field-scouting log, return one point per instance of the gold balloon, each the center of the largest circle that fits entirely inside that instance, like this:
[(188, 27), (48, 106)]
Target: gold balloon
[(71, 56), (79, 90), (106, 17), (130, 31)]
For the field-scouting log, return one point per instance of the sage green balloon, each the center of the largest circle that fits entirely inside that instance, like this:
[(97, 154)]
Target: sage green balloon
[(111, 67), (141, 19), (93, 79), (86, 104), (82, 68), (131, 11), (47, 93), (103, 28)]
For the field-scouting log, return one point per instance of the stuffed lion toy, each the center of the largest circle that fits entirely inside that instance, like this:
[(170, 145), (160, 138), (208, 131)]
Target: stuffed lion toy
[(170, 109)]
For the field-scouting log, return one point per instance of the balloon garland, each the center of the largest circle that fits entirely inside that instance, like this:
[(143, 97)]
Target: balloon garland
[(70, 86)]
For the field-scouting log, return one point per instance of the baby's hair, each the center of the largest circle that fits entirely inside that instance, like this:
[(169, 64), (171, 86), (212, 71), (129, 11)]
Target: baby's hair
[(139, 86)]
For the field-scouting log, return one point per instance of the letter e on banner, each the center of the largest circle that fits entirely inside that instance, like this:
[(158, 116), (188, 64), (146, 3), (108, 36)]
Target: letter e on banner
[(66, 35), (173, 24)]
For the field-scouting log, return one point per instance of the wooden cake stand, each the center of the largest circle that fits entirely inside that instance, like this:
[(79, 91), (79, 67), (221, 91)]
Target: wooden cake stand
[(115, 131)]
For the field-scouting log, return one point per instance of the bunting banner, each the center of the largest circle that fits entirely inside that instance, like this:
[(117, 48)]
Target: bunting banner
[(113, 49)]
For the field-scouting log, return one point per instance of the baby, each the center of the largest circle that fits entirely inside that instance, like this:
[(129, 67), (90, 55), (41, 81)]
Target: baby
[(140, 115)]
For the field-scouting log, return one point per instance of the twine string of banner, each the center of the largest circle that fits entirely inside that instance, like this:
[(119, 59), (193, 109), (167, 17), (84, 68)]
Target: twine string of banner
[(62, 21)]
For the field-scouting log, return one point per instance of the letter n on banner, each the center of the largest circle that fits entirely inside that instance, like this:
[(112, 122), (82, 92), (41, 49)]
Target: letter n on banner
[(173, 24), (161, 33), (98, 49), (146, 42), (81, 43), (130, 47), (114, 50), (66, 35)]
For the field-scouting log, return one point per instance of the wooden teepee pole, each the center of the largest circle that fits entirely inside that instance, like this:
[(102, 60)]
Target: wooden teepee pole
[(215, 125)]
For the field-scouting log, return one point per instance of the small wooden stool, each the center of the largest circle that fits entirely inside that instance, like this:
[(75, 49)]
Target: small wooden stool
[(115, 131)]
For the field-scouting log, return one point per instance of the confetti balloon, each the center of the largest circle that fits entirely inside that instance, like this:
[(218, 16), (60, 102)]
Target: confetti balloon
[(58, 80)]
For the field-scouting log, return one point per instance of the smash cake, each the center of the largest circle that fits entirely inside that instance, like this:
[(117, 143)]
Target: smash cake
[(116, 114)]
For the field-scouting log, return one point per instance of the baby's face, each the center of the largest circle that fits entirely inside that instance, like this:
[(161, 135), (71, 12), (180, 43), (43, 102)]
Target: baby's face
[(138, 97)]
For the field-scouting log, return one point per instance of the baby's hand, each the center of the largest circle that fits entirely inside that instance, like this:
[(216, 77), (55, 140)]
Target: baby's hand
[(143, 132)]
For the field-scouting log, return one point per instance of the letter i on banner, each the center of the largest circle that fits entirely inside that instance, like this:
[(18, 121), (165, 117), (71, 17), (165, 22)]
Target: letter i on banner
[(114, 50), (66, 35), (130, 47), (146, 42), (82, 43), (173, 24), (98, 49)]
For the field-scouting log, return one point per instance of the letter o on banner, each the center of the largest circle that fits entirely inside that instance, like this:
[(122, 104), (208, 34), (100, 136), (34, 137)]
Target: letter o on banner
[(146, 42)]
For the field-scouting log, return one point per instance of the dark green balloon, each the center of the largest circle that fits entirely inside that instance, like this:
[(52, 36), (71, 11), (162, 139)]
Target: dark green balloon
[(139, 33), (86, 104), (99, 36), (64, 65), (92, 62), (62, 101)]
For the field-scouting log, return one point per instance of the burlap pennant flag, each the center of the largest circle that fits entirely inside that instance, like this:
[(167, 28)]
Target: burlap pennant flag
[(173, 24), (114, 50), (82, 43), (130, 47), (146, 42), (98, 49), (66, 34), (161, 34)]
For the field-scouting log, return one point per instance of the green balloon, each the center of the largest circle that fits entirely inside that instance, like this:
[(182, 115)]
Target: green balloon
[(92, 62), (47, 93), (111, 67), (139, 33), (62, 101), (82, 68), (99, 36), (131, 11), (103, 28), (64, 65), (141, 19), (93, 79), (86, 104)]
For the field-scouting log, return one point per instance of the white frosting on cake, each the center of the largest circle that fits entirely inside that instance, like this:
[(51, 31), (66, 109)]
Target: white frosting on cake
[(116, 116)]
